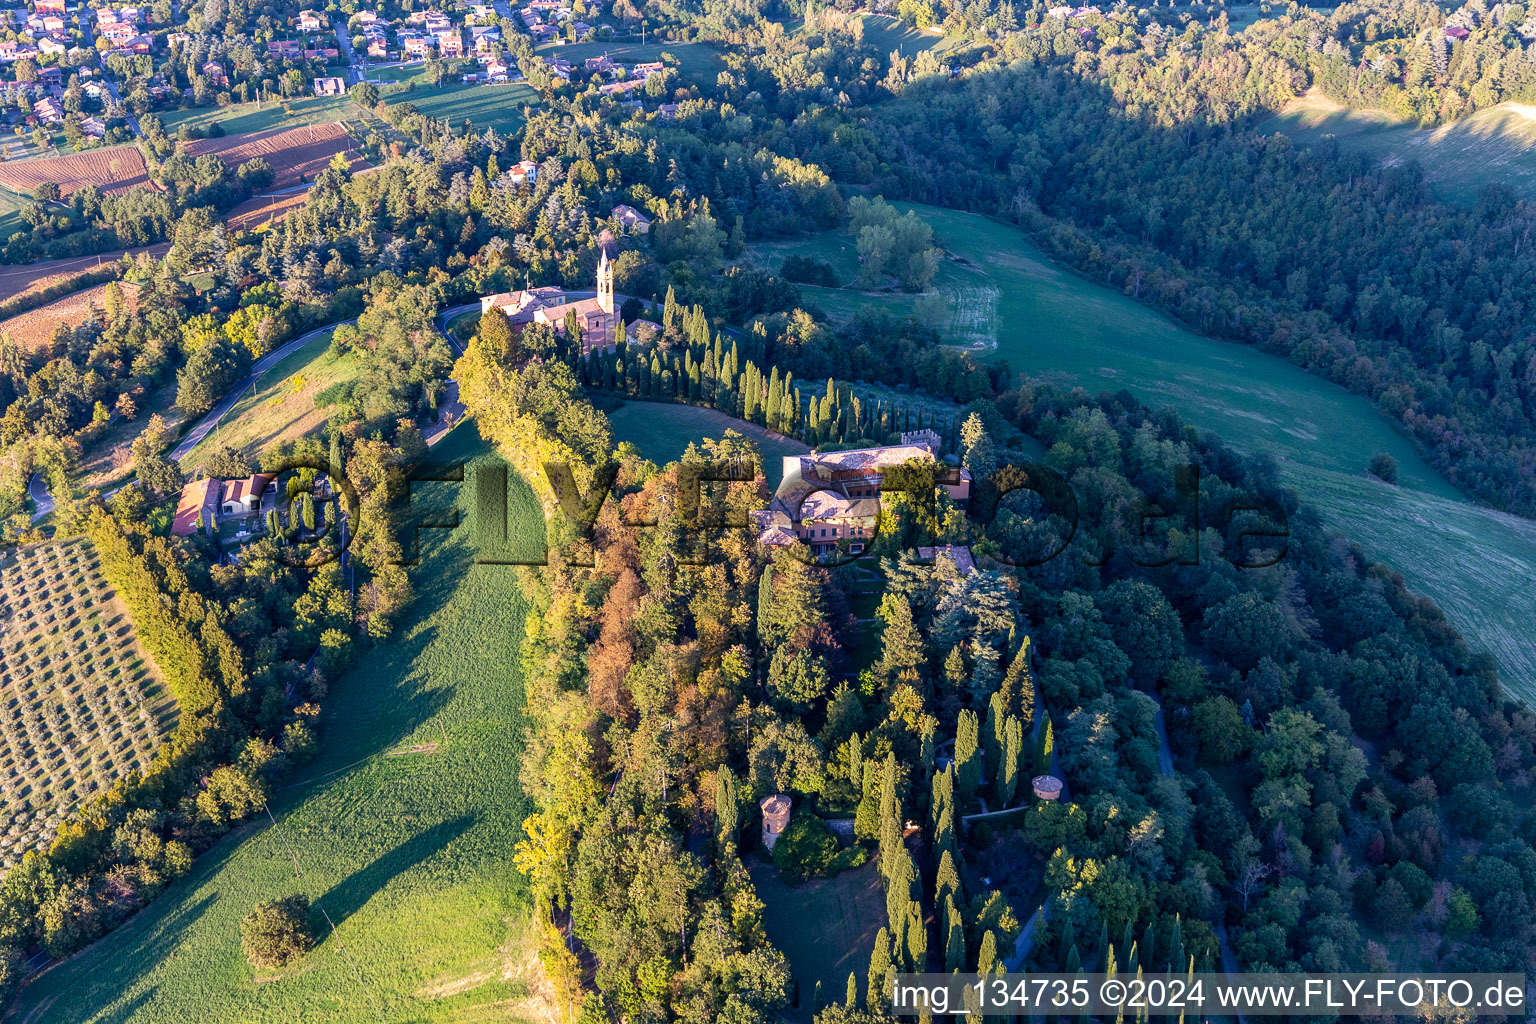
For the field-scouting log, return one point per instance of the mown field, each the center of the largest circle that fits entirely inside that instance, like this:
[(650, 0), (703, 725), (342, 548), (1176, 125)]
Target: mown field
[(241, 118), (282, 406), (485, 106), (410, 853), (1459, 159), (663, 433), (847, 910), (1004, 294)]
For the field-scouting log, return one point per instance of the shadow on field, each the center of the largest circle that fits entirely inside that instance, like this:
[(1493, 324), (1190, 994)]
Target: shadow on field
[(346, 897), (129, 1010)]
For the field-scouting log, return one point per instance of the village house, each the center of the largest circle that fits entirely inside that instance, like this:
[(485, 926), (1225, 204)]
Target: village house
[(11, 50), (213, 71), (631, 219), (176, 39), (436, 21), (363, 19), (1455, 33), (667, 111), (330, 86), (603, 65), (834, 498), (481, 12), (198, 507)]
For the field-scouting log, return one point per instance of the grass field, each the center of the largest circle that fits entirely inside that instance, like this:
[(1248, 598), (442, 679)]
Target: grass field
[(692, 58), (82, 704), (663, 432), (847, 912), (1048, 322), (410, 854), (1493, 145), (241, 118), (282, 406), (485, 106)]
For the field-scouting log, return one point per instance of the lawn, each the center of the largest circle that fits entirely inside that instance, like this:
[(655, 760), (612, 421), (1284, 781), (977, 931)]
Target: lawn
[(692, 58), (11, 205), (282, 406), (847, 911), (409, 853), (663, 431), (1007, 296), (486, 106), (1459, 159), (243, 118)]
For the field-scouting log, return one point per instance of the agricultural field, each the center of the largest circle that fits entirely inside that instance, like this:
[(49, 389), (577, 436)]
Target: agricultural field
[(692, 58), (1497, 145), (282, 405), (35, 328), (297, 155), (106, 462), (1006, 296), (403, 829), (246, 118), (263, 210), (44, 274), (81, 704), (663, 432), (485, 106), (848, 910), (113, 169)]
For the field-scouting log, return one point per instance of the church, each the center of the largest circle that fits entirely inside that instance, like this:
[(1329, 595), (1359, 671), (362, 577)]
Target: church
[(597, 316)]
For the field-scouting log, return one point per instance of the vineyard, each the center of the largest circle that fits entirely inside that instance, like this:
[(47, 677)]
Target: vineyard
[(80, 704), (296, 154), (114, 170)]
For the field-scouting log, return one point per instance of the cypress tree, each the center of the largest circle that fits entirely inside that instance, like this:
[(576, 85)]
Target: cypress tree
[(917, 938), (851, 993), (890, 812), (967, 757), (338, 462), (1008, 767), (948, 880), (726, 810), (1148, 944), (1018, 689), (879, 964), (669, 310), (1046, 744), (986, 956), (954, 940)]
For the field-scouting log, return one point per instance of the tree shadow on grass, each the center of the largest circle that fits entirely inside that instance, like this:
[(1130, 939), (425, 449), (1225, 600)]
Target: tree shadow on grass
[(346, 897)]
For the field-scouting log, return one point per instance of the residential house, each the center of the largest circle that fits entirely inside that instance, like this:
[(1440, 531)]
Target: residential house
[(582, 31), (620, 88), (244, 497), (416, 46), (309, 21), (378, 48), (330, 86), (603, 65), (118, 33), (197, 508), (285, 49), (482, 36), (667, 111), (449, 42), (436, 21), (560, 68), (95, 127), (646, 70), (11, 50), (495, 70), (326, 53), (833, 498), (50, 46), (481, 12), (49, 7), (213, 71), (631, 219), (362, 19), (140, 45), (47, 111), (1455, 33), (175, 39), (523, 171)]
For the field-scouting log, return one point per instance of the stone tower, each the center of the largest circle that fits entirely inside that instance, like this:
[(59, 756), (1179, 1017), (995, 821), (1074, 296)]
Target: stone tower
[(605, 284)]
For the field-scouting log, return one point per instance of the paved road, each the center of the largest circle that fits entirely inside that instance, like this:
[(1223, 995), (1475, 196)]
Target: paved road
[(265, 363)]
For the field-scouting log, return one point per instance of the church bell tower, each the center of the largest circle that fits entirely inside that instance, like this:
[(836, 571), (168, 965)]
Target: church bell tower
[(605, 284)]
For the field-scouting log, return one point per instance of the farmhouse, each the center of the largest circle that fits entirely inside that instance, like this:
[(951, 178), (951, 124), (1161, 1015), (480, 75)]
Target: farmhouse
[(199, 504), (330, 86), (244, 497), (834, 497), (523, 171)]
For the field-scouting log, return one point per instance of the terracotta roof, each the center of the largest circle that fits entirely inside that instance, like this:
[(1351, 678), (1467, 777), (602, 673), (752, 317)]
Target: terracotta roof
[(254, 485), (195, 497)]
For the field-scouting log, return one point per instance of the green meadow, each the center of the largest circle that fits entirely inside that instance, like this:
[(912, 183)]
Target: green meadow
[(485, 106), (1005, 298), (663, 433), (1497, 145), (692, 58), (402, 830)]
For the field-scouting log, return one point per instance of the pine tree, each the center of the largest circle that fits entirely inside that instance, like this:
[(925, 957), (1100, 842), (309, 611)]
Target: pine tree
[(985, 674), (967, 757), (955, 675)]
